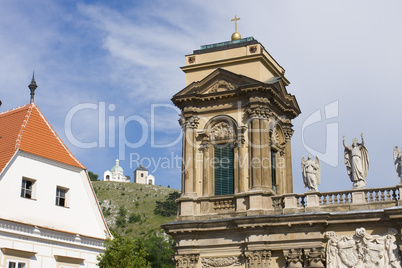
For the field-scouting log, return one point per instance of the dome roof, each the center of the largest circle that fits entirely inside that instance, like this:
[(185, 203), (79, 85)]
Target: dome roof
[(117, 168)]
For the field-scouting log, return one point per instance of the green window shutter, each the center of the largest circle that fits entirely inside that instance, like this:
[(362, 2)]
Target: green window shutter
[(224, 170), (273, 170)]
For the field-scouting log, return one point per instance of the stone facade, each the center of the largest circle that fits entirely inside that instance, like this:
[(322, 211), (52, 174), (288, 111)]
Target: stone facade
[(237, 207)]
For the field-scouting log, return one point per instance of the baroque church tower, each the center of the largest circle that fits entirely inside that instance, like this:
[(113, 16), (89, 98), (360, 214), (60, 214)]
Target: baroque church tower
[(236, 121)]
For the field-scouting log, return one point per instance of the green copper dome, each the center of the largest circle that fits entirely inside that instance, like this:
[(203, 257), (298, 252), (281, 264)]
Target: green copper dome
[(117, 168)]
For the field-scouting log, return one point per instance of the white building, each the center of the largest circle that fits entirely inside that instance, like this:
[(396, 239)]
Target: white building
[(141, 176), (49, 214), (115, 174)]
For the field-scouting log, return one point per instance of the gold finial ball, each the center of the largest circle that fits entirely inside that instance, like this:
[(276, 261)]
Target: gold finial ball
[(236, 36)]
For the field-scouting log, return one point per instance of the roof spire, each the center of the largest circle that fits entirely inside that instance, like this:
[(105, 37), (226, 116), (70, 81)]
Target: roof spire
[(32, 87)]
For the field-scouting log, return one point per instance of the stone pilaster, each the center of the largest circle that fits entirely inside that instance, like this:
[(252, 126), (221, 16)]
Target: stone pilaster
[(257, 258), (186, 261), (315, 258), (189, 126), (205, 172), (242, 165), (293, 258)]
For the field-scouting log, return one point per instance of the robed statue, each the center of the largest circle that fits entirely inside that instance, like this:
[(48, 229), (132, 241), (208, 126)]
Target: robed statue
[(398, 162), (357, 162), (311, 172)]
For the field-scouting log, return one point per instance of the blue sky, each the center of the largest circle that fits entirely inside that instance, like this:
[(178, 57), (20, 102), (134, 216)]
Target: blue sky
[(111, 59)]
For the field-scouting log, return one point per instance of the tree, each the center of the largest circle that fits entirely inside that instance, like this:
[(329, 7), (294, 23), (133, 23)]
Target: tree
[(159, 248), (93, 176), (168, 207), (123, 252)]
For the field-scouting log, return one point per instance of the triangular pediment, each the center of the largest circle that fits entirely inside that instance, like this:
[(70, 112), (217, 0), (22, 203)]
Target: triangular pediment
[(218, 81)]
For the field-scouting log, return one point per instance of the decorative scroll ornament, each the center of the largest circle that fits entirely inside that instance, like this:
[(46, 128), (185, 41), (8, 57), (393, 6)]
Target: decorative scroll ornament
[(275, 137), (222, 131), (293, 257), (221, 86), (363, 250), (186, 261), (258, 257), (220, 262)]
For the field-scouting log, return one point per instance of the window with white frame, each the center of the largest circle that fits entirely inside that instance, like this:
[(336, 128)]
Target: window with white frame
[(28, 188), (16, 264), (61, 196)]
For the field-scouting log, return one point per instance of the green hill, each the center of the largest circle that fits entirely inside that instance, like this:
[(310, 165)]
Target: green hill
[(129, 207)]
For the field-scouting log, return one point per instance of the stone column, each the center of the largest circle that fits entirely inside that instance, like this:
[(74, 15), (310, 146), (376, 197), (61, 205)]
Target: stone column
[(265, 154), (288, 161), (257, 258), (242, 165), (255, 160), (315, 258), (293, 258), (205, 173)]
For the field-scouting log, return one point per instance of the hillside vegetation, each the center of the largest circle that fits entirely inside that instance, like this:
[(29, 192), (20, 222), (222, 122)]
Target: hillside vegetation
[(129, 207)]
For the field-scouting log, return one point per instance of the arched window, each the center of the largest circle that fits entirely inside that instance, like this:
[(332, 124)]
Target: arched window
[(107, 177)]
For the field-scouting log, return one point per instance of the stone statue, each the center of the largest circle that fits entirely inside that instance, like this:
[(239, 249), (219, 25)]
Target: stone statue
[(357, 162), (363, 250), (311, 172), (398, 162)]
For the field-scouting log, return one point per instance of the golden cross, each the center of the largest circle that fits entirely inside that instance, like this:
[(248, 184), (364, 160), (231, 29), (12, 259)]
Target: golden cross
[(235, 20)]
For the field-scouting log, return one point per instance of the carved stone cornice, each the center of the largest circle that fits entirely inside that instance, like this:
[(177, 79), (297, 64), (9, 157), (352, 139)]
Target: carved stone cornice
[(315, 257), (221, 262), (260, 112), (293, 257), (257, 257), (186, 261), (222, 131)]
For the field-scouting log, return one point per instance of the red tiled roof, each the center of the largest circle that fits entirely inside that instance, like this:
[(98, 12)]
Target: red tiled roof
[(26, 128)]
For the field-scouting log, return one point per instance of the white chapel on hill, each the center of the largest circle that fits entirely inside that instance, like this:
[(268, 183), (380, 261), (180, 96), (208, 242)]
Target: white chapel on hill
[(115, 174)]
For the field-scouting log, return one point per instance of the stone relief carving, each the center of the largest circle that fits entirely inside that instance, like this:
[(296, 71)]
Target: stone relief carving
[(293, 257), (222, 131), (398, 162), (186, 261), (275, 137), (357, 162), (311, 170), (363, 250), (221, 86), (257, 258), (220, 262), (191, 121), (315, 257)]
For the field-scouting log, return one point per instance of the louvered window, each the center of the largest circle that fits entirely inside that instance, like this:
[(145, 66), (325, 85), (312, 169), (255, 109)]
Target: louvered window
[(224, 169)]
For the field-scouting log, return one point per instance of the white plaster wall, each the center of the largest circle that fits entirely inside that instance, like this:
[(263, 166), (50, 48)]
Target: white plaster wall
[(139, 179), (82, 216)]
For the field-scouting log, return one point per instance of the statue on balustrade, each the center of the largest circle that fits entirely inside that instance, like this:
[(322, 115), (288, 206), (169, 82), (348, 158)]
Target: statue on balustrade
[(357, 162), (311, 170), (398, 162)]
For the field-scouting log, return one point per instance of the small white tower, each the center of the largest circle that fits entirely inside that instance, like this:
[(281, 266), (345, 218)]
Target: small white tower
[(141, 176)]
